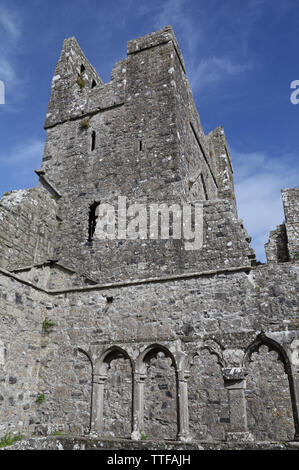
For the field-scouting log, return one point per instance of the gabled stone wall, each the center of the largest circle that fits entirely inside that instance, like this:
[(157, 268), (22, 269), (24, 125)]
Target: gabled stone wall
[(28, 227)]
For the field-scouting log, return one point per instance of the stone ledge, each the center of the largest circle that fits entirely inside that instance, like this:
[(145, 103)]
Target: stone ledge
[(94, 443)]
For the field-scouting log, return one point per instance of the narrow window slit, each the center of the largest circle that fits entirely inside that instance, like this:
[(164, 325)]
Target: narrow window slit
[(140, 145), (204, 186), (93, 140)]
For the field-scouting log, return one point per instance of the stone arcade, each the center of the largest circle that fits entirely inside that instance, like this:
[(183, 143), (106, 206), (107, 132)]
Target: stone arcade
[(142, 340)]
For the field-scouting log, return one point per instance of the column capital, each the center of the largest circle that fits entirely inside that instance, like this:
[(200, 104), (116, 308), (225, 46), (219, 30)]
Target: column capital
[(183, 375), (139, 377), (233, 374), (99, 378)]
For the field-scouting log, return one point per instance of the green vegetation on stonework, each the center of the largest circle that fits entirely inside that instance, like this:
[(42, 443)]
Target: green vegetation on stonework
[(47, 325), (85, 124), (41, 398), (8, 439), (81, 82), (58, 433)]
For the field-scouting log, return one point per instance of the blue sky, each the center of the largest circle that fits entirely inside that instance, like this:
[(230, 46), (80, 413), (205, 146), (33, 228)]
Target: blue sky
[(241, 57)]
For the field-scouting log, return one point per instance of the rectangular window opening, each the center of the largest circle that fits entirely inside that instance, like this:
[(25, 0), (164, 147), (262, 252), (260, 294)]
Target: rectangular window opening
[(93, 140)]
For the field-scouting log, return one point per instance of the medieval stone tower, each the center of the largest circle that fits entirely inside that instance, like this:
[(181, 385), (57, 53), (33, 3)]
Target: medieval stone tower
[(140, 338)]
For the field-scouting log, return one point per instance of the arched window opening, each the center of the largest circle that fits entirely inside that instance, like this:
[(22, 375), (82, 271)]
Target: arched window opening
[(93, 84), (160, 396), (268, 394), (82, 69), (208, 399), (117, 407), (82, 392)]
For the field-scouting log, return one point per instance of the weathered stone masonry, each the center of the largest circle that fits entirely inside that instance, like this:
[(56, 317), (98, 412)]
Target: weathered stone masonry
[(134, 338)]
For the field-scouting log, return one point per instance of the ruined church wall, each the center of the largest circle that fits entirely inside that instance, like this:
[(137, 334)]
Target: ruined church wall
[(22, 310), (60, 348)]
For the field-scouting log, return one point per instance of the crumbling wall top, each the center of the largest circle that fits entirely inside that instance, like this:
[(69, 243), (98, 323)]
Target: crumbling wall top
[(155, 39), (290, 198)]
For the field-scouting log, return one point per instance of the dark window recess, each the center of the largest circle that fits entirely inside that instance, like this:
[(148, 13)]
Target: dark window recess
[(82, 69), (92, 220), (93, 140), (204, 186), (140, 145), (93, 84)]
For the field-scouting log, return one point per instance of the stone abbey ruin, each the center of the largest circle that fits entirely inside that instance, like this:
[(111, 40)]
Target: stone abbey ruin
[(135, 341)]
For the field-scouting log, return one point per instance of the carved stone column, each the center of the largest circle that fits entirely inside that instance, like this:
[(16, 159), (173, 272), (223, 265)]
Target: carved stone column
[(138, 405), (183, 411), (235, 383), (98, 381)]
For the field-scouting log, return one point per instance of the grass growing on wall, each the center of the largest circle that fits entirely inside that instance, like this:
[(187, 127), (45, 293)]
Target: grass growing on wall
[(8, 439)]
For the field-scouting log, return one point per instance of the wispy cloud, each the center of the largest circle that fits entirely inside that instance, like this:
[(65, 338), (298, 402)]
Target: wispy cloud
[(176, 13), (10, 35), (22, 155), (7, 72), (199, 37), (259, 179), (213, 70), (10, 23)]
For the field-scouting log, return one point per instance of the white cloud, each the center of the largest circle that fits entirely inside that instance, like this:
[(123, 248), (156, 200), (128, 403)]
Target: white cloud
[(213, 70), (10, 35), (196, 34), (21, 155), (258, 183), (174, 12), (7, 72), (10, 23)]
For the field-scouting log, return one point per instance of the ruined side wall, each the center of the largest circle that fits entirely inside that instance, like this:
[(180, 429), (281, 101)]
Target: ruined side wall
[(216, 317), (22, 311), (277, 246), (27, 227), (290, 199), (221, 162), (283, 243)]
